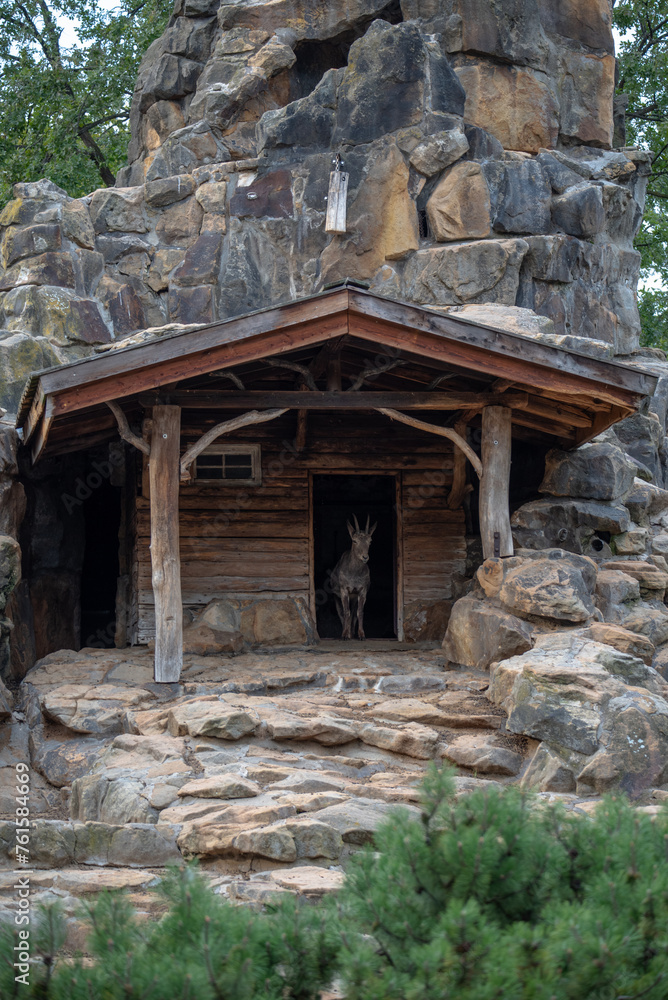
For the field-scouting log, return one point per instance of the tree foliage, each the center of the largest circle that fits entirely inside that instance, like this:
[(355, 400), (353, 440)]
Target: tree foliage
[(64, 110), (494, 896), (643, 80)]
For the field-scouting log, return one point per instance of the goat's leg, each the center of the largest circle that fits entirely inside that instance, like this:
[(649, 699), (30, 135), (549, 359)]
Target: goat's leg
[(339, 609), (361, 600), (345, 601)]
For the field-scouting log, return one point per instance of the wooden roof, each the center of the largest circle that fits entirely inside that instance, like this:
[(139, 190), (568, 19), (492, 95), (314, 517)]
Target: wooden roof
[(432, 360)]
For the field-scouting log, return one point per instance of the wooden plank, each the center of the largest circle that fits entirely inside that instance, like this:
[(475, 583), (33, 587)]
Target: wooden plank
[(203, 592), (337, 202), (233, 399), (165, 562), (497, 539)]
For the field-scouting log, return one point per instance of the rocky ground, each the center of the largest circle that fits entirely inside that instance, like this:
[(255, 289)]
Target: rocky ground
[(271, 768)]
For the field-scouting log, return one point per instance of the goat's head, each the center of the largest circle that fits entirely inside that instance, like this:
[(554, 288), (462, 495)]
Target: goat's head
[(361, 539)]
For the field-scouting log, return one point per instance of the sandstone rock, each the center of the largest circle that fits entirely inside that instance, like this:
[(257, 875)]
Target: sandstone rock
[(478, 754), (439, 151), (45, 269), (596, 471), (112, 801), (459, 208), (426, 620), (486, 271), (309, 880), (200, 638), (29, 241), (650, 578), (168, 190), (412, 740), (645, 501), (273, 623), (223, 786), (382, 217), (410, 683), (512, 103), (590, 699), (630, 543), (180, 222), (409, 710), (620, 638), (393, 72), (358, 819), (478, 634), (314, 839), (212, 196), (524, 204), (273, 842), (119, 210), (644, 620), (613, 586), (570, 524), (552, 770), (579, 211), (86, 709), (205, 718), (326, 730), (560, 585), (57, 314)]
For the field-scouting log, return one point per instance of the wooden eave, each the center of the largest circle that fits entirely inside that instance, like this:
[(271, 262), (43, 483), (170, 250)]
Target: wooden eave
[(571, 396)]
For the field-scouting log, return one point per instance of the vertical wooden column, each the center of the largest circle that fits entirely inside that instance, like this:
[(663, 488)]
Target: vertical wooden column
[(497, 539), (164, 474)]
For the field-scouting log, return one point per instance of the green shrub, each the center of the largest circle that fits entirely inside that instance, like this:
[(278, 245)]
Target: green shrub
[(494, 896)]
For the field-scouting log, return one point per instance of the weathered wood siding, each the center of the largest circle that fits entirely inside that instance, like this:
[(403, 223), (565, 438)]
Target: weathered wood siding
[(249, 540)]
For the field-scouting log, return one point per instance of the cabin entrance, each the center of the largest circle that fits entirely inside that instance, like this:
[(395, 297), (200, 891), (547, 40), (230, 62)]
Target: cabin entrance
[(99, 575), (335, 499)]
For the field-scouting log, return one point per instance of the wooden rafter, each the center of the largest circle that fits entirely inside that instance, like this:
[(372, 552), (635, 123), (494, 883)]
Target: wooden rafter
[(227, 427), (446, 432)]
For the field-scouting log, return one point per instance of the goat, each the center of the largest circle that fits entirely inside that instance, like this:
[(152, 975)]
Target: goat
[(350, 578)]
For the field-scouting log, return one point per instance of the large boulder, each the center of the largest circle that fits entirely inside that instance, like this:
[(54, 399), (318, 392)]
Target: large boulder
[(550, 584), (596, 471), (603, 713), (479, 633), (575, 525)]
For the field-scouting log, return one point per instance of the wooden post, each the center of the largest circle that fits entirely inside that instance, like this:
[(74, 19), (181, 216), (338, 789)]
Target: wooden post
[(497, 539), (165, 556)]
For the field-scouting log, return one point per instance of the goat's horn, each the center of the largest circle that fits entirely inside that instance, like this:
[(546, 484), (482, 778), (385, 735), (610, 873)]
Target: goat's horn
[(368, 522), (357, 527)]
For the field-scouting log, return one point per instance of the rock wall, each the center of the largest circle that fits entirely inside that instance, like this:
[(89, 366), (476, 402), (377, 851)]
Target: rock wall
[(478, 139)]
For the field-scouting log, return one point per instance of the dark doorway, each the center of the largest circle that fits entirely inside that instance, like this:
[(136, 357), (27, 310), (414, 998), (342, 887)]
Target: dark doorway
[(335, 500), (99, 575)]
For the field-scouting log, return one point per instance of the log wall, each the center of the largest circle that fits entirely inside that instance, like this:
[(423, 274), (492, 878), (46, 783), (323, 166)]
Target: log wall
[(242, 541)]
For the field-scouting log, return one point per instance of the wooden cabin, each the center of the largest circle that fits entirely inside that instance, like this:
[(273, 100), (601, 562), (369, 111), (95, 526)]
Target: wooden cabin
[(250, 442)]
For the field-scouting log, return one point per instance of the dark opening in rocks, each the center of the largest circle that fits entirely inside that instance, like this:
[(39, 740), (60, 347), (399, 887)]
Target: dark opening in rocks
[(423, 223), (315, 58)]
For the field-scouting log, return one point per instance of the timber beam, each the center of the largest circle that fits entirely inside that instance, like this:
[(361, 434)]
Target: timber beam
[(351, 400)]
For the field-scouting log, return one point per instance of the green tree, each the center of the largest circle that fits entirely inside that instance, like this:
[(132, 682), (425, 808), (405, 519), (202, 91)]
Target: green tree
[(64, 111), (643, 80)]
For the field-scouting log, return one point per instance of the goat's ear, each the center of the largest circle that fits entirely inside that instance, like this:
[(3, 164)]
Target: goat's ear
[(351, 530), (375, 525)]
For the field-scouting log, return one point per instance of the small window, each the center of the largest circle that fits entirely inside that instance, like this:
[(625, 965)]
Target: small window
[(229, 464)]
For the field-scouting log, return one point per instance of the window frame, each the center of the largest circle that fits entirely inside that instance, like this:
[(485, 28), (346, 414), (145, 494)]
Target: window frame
[(222, 448)]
